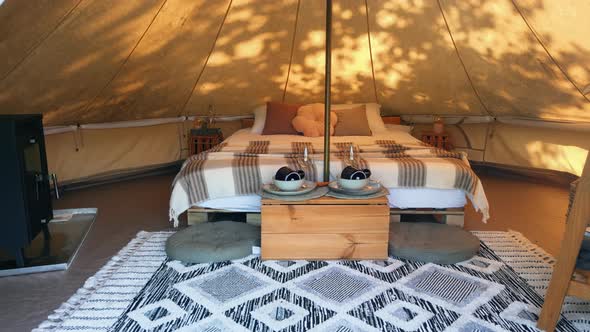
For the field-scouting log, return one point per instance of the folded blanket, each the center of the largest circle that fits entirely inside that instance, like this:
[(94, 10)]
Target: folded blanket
[(241, 168)]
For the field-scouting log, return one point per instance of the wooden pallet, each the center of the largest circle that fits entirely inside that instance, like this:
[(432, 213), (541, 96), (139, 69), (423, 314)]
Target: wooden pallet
[(453, 217)]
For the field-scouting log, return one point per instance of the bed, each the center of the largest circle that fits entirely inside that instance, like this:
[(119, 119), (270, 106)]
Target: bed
[(417, 176)]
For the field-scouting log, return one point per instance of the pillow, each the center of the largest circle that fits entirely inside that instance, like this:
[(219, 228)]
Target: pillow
[(259, 119), (310, 120), (396, 127), (373, 115), (279, 117), (352, 122)]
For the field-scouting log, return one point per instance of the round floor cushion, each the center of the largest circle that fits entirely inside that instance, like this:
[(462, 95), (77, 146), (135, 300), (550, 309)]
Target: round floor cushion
[(213, 242), (430, 242)]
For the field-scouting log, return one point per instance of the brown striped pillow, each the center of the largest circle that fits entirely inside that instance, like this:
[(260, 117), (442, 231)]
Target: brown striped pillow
[(352, 122)]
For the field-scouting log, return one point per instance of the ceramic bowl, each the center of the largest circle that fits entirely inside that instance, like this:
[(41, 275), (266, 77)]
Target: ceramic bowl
[(288, 185), (352, 184)]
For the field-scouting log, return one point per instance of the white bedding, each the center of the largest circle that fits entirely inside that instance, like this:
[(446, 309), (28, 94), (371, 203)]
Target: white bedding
[(244, 136), (399, 197)]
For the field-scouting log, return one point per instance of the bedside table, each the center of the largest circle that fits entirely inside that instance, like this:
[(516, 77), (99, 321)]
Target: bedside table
[(203, 139), (441, 141), (325, 228)]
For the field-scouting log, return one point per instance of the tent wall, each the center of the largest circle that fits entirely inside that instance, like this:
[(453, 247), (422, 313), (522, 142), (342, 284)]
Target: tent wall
[(538, 147), (85, 153), (82, 153), (101, 61), (76, 154)]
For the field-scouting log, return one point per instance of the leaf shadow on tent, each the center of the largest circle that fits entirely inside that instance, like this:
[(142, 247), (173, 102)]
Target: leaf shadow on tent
[(93, 69)]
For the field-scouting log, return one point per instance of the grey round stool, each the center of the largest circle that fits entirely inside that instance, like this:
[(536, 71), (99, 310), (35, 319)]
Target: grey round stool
[(430, 242), (213, 242)]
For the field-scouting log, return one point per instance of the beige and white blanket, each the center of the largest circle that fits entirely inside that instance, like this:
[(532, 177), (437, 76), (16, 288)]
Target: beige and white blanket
[(242, 164)]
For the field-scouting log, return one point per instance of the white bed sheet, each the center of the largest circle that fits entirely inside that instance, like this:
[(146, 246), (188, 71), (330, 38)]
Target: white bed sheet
[(402, 198)]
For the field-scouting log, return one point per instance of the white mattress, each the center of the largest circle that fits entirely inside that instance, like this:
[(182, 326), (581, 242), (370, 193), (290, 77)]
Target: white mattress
[(403, 198)]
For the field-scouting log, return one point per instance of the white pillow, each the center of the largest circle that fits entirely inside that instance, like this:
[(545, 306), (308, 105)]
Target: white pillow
[(373, 115), (259, 119), (396, 127)]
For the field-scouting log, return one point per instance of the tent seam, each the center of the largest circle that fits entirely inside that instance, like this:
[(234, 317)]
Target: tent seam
[(371, 51), (462, 62), (292, 49), (547, 50), (182, 110), (120, 69), (36, 46)]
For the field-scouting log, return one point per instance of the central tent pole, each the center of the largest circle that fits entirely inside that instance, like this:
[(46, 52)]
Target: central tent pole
[(327, 80)]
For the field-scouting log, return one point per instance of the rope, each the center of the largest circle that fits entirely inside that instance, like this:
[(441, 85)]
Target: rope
[(292, 49), (120, 69), (34, 47), (547, 50), (371, 51), (182, 110), (462, 62)]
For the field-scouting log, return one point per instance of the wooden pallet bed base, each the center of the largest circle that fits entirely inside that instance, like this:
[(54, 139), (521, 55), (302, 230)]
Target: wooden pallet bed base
[(454, 216)]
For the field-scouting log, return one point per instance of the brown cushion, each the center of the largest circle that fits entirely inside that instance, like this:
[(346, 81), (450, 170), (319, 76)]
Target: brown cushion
[(352, 122), (279, 117)]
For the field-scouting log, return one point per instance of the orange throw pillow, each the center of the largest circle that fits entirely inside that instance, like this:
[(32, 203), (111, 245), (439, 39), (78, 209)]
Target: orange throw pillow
[(278, 118), (352, 122)]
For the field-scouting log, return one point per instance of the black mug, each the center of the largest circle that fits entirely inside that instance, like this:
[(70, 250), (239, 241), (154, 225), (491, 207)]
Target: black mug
[(287, 174), (351, 173)]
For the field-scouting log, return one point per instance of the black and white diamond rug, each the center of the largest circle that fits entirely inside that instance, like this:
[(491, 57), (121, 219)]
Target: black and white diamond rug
[(140, 290)]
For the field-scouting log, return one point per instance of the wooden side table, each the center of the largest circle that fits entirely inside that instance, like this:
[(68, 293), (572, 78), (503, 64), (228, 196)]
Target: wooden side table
[(200, 140), (325, 228), (441, 141)]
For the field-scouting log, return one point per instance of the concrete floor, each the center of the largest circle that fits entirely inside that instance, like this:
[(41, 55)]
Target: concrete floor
[(125, 208)]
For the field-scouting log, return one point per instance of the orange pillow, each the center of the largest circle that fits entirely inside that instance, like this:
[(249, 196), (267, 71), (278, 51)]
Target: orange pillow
[(278, 118)]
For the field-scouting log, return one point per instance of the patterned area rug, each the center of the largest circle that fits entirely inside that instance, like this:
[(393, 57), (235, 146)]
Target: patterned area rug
[(140, 290)]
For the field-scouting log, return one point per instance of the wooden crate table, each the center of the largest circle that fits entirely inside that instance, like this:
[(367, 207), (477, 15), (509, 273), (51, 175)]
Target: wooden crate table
[(200, 140), (441, 141), (325, 228)]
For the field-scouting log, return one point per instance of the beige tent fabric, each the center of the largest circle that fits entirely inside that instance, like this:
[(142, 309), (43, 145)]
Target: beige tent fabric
[(161, 73), (104, 60), (305, 83), (25, 24), (562, 26), (352, 78), (82, 154), (90, 152), (78, 154), (94, 61), (249, 64), (510, 68), (416, 66), (74, 63), (543, 148)]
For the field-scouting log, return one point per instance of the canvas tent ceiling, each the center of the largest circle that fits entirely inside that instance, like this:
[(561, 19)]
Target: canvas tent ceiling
[(103, 61), (85, 61)]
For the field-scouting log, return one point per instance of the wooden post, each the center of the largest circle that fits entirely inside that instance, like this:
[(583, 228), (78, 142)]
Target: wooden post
[(577, 222)]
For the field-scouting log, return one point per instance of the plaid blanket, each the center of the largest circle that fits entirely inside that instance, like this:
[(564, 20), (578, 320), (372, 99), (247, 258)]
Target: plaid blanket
[(242, 168)]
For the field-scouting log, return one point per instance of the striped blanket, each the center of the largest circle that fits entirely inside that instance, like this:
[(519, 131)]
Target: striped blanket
[(241, 168)]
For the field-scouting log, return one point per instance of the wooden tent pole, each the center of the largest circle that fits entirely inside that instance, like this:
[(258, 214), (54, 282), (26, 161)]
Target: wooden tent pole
[(327, 91), (560, 284)]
